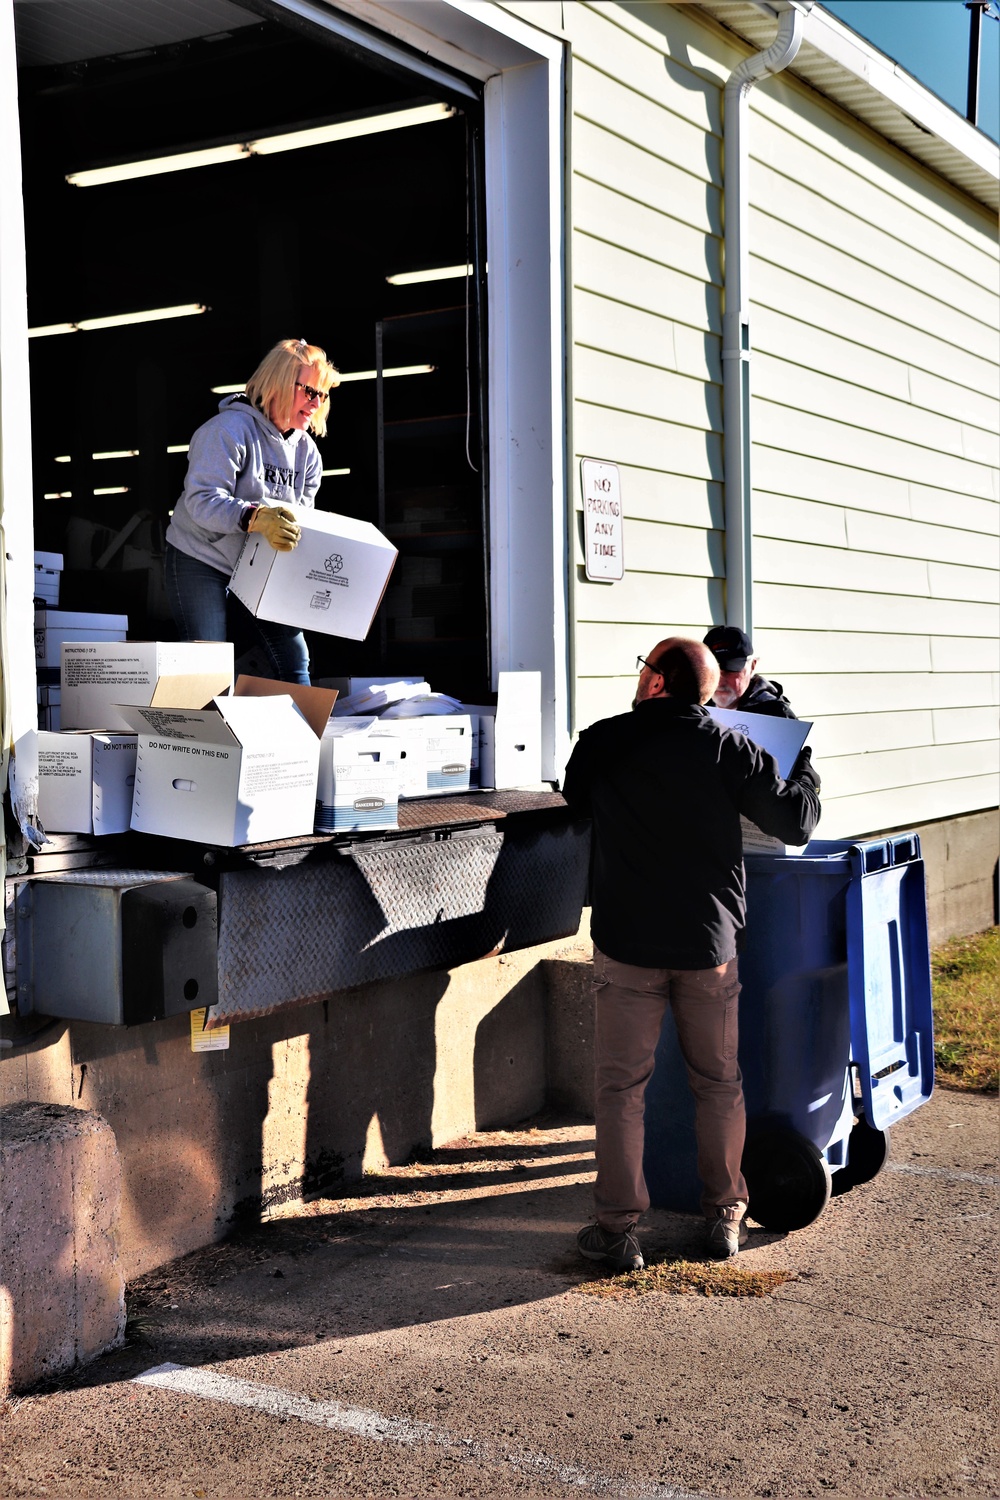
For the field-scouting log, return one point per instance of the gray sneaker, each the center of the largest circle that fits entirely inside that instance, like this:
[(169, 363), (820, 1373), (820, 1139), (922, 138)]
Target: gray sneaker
[(724, 1236), (617, 1248)]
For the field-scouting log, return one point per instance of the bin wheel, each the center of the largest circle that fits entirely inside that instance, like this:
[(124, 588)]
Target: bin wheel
[(867, 1154), (788, 1179)]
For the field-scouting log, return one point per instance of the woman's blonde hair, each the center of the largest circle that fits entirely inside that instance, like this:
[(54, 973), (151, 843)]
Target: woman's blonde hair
[(271, 387)]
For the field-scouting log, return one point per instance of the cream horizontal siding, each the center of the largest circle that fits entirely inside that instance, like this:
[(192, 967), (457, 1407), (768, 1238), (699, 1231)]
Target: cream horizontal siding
[(810, 648), (903, 806), (603, 432), (603, 156), (838, 683), (881, 770), (818, 306), (898, 242), (813, 260), (647, 316), (834, 137), (604, 100), (875, 419), (786, 606), (802, 345), (805, 476), (823, 435)]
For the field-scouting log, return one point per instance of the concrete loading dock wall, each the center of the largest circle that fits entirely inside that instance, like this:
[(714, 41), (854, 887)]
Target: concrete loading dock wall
[(302, 1101)]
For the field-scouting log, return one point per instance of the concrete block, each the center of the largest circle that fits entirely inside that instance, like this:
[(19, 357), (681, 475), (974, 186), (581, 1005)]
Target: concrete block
[(509, 1056), (569, 1033), (960, 863), (62, 1290)]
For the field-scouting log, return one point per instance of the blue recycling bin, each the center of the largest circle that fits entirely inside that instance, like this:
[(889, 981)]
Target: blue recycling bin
[(836, 1030)]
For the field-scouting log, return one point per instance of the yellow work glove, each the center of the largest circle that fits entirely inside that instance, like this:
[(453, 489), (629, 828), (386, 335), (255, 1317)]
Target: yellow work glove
[(276, 525)]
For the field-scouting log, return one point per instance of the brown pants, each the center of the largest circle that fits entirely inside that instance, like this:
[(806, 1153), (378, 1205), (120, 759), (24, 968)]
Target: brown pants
[(629, 1008)]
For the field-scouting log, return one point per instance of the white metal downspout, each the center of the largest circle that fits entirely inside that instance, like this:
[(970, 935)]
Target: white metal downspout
[(736, 346)]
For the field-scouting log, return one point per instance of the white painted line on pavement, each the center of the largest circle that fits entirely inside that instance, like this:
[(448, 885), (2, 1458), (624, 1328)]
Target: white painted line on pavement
[(359, 1421), (946, 1174)]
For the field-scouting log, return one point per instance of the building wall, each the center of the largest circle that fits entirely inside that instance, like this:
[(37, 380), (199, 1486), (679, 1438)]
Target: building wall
[(875, 377)]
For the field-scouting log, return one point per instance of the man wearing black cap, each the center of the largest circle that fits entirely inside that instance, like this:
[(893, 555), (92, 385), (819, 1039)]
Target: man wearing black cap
[(740, 686)]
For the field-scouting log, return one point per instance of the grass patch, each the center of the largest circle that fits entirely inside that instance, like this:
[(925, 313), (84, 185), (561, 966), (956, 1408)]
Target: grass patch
[(687, 1278), (966, 978)]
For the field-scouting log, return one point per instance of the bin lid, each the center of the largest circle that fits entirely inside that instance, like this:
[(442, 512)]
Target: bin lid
[(889, 978)]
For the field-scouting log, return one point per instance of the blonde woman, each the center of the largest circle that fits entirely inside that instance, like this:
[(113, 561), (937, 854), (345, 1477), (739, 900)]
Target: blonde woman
[(246, 465)]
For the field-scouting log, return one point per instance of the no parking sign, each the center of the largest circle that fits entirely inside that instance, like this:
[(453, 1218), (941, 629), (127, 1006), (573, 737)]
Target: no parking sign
[(604, 553)]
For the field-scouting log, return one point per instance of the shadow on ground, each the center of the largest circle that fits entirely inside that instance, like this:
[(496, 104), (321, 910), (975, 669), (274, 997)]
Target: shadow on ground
[(487, 1222)]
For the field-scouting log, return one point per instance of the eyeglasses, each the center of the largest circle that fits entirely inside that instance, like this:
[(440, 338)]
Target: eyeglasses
[(313, 394), (641, 662)]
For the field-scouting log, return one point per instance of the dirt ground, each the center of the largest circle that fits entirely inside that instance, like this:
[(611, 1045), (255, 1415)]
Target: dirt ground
[(435, 1334)]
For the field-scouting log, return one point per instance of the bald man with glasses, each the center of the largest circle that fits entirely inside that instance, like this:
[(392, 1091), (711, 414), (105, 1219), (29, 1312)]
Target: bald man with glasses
[(664, 787)]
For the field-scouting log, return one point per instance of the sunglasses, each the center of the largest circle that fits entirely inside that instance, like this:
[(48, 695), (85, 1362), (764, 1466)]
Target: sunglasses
[(311, 392)]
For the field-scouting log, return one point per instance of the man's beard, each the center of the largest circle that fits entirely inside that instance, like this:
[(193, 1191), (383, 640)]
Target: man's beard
[(725, 697)]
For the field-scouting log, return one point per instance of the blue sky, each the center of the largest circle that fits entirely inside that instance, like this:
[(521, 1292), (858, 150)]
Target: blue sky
[(930, 39)]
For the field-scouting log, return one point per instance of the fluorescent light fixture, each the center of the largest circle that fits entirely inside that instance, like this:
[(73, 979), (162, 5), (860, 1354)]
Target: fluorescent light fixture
[(229, 390), (266, 145), (388, 374), (49, 329), (150, 315), (113, 489), (209, 156), (66, 458), (58, 495), (329, 473), (344, 130), (121, 320), (437, 273)]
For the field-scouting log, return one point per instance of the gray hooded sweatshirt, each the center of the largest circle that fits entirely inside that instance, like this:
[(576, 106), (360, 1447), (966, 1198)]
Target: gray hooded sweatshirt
[(237, 459)]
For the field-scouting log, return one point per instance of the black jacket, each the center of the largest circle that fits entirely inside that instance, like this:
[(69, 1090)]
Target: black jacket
[(665, 786), (764, 697)]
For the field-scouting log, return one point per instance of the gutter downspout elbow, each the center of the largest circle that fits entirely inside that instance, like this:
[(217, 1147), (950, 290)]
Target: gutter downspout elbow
[(736, 344)]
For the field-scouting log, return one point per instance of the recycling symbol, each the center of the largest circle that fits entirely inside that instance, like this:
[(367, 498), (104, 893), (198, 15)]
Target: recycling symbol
[(334, 563)]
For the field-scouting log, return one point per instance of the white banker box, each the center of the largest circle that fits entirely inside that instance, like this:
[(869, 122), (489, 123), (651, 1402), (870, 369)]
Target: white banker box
[(437, 753), (99, 677), (85, 782), (53, 627), (510, 732), (48, 573), (240, 771), (332, 582), (359, 777)]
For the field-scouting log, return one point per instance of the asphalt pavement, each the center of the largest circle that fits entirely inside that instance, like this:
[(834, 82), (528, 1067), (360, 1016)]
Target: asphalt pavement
[(436, 1335)]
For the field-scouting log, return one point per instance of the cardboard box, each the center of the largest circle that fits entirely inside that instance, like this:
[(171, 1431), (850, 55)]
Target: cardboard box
[(332, 582), (359, 777), (85, 782), (54, 626), (437, 753), (49, 706), (510, 732), (97, 677), (241, 770), (48, 572)]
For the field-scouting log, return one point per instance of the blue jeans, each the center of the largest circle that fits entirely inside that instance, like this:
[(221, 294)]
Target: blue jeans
[(204, 610)]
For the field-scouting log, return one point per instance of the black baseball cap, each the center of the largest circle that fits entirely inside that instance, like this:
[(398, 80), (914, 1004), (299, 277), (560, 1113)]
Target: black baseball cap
[(730, 646)]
